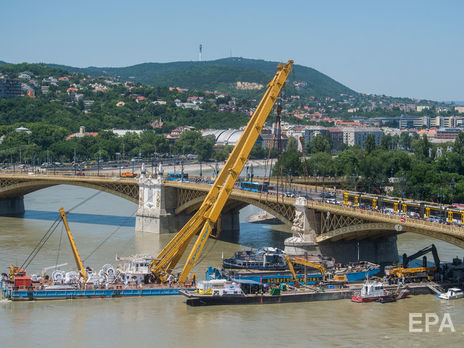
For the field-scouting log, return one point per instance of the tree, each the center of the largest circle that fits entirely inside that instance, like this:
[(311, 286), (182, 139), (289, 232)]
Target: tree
[(370, 143), (421, 147), (258, 152), (320, 143), (292, 144), (290, 163), (203, 147), (386, 142), (405, 141), (459, 144)]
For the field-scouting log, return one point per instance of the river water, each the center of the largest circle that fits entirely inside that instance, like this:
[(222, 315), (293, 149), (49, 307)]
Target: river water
[(166, 321)]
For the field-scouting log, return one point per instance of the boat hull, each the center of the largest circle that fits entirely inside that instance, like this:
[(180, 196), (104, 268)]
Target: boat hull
[(360, 299), (34, 295), (208, 300)]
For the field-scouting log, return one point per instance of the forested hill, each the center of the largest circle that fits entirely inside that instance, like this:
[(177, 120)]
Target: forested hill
[(220, 75)]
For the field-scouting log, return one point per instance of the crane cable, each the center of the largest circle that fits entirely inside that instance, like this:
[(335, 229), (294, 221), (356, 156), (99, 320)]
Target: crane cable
[(59, 247), (49, 232), (40, 244), (108, 237), (84, 201)]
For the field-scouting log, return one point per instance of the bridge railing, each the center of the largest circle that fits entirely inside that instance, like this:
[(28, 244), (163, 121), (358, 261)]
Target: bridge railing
[(394, 219)]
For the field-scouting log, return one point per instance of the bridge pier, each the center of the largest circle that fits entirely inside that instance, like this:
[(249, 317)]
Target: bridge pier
[(156, 207), (304, 240), (12, 206), (380, 250)]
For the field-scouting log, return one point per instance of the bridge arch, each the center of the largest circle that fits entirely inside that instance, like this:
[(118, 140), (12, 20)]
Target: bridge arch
[(377, 230), (126, 190)]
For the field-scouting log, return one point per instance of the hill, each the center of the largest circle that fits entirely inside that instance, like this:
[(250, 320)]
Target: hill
[(220, 75)]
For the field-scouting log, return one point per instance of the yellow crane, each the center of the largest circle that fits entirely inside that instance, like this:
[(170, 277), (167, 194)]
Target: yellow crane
[(208, 213), (77, 258), (292, 260)]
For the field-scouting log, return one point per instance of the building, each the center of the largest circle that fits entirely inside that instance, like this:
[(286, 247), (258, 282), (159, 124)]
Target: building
[(82, 133), (226, 136), (408, 121), (447, 133), (445, 121), (336, 138), (123, 132), (176, 132), (10, 88), (311, 132), (23, 129), (358, 136)]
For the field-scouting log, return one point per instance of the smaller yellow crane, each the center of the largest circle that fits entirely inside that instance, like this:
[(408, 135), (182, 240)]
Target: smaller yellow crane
[(292, 260), (77, 258)]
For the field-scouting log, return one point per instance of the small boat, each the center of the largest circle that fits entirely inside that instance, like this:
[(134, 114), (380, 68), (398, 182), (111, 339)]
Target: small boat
[(375, 291), (386, 300), (452, 294)]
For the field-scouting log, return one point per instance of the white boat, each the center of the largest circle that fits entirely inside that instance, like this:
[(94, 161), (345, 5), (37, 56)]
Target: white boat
[(452, 294), (219, 287)]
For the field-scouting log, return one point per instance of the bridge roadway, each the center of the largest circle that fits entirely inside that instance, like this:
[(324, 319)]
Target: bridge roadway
[(330, 222)]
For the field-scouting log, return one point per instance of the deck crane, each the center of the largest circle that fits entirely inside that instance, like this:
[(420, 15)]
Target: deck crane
[(77, 258), (207, 215), (292, 260)]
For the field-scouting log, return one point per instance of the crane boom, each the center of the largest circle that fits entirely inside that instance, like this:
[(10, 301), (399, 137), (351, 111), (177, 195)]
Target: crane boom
[(292, 260), (207, 215), (421, 252), (77, 258)]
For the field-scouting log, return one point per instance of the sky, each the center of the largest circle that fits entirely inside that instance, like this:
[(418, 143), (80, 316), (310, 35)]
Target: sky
[(402, 48)]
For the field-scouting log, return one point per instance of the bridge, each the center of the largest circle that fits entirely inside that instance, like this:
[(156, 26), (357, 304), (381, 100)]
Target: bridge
[(166, 206)]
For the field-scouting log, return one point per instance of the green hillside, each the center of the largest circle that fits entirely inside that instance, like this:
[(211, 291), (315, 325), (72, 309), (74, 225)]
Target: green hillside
[(219, 75)]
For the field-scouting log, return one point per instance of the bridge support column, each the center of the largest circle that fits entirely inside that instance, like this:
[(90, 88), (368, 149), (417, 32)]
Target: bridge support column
[(12, 206), (156, 208), (230, 222), (304, 240), (380, 250)]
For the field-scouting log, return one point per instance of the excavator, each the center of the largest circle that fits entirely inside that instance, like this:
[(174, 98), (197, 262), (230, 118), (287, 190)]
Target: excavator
[(300, 261), (415, 274), (206, 216)]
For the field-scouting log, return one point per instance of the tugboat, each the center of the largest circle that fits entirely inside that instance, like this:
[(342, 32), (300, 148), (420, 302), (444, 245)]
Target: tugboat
[(375, 291)]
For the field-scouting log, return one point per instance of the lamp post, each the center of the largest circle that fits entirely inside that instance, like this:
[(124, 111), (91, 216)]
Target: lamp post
[(98, 164), (74, 161), (182, 170)]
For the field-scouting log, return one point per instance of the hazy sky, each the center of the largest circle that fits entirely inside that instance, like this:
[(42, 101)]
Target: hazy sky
[(398, 48)]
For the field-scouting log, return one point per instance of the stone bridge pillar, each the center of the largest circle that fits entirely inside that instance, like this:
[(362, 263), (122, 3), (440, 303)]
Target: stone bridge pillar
[(304, 240), (156, 207), (12, 206)]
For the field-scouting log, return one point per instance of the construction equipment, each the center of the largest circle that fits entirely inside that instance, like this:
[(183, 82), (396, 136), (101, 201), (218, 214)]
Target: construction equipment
[(416, 274), (77, 258), (430, 248), (292, 260), (206, 216)]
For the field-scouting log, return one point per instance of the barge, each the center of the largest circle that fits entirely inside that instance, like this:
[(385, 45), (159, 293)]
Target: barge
[(32, 294), (133, 277), (330, 293)]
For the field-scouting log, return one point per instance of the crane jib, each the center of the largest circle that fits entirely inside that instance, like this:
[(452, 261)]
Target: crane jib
[(212, 206)]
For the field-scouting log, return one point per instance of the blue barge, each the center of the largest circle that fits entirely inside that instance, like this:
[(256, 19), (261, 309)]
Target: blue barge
[(13, 294)]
